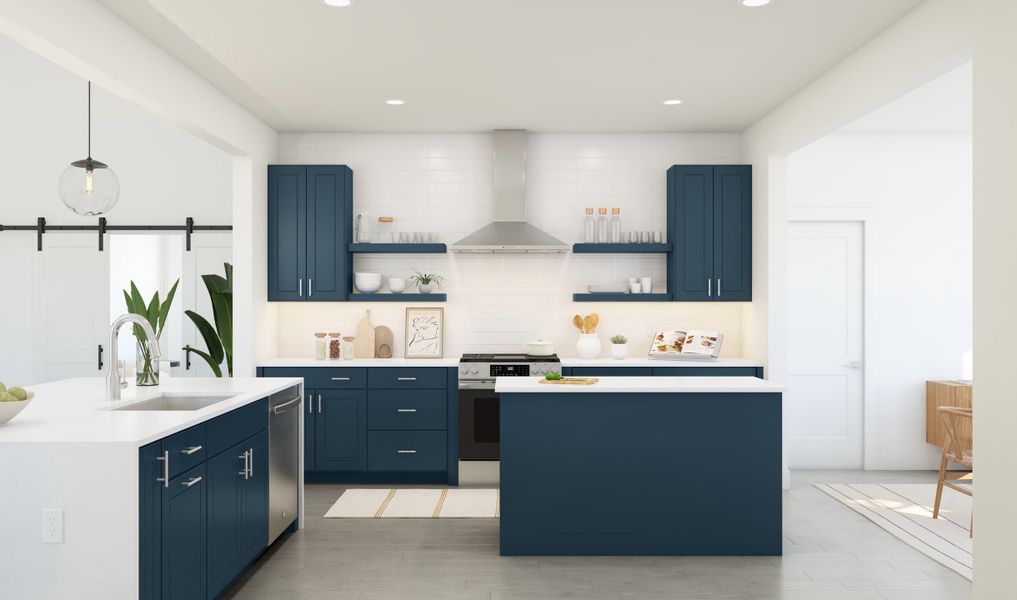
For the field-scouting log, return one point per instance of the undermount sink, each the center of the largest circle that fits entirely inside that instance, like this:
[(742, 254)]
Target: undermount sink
[(174, 402)]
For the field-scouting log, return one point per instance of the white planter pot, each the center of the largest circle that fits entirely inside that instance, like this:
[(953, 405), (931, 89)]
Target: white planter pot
[(588, 345), (619, 351), (424, 288)]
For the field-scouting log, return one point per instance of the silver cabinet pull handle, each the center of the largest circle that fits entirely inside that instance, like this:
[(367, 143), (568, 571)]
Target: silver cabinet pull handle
[(310, 287), (245, 457), (250, 462), (407, 379), (300, 287), (191, 482), (310, 403), (165, 469), (278, 408), (406, 451), (191, 450), (319, 404), (718, 287), (709, 287), (406, 410), (340, 379)]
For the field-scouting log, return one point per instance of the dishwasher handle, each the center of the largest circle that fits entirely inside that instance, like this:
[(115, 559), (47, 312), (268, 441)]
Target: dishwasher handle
[(281, 408)]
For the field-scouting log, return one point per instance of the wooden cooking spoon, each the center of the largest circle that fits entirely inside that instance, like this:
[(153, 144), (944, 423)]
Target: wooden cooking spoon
[(578, 322), (589, 324), (596, 322)]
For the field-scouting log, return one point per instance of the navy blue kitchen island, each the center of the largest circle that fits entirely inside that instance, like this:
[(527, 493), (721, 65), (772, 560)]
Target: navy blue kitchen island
[(668, 466)]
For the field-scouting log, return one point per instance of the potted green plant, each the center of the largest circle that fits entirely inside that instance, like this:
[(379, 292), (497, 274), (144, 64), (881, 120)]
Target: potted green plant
[(424, 281), (618, 348), (156, 313), (218, 339)]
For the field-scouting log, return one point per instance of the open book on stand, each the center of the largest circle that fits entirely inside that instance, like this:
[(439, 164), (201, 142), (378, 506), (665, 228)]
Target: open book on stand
[(686, 345)]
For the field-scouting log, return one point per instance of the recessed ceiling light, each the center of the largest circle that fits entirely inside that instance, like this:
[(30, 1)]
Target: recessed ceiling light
[(338, 2), (672, 102), (395, 102), (754, 3)]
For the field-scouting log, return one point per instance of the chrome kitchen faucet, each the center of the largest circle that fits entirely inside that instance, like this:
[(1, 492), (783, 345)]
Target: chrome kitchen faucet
[(113, 378)]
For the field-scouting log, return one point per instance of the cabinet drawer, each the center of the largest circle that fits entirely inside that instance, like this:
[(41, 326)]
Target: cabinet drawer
[(406, 451), (324, 378), (410, 409), (611, 371), (404, 378), (236, 426), (186, 449), (704, 372)]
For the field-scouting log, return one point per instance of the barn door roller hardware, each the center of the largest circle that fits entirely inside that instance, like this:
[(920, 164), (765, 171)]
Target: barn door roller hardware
[(102, 228)]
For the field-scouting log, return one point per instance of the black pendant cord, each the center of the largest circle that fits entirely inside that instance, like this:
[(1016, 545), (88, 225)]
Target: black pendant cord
[(89, 120)]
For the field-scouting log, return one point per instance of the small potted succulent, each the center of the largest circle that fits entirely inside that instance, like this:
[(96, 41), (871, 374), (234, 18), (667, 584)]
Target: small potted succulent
[(618, 348), (424, 281)]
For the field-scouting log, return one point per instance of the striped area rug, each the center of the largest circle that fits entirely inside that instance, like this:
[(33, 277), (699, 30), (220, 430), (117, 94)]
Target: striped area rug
[(905, 510), (407, 503)]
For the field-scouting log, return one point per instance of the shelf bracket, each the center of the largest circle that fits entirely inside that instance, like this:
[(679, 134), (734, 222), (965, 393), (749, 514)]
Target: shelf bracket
[(41, 229), (102, 231), (190, 229)]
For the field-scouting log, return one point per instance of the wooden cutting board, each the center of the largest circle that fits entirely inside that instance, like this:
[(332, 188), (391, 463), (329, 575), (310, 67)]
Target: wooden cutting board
[(383, 345), (572, 381), (363, 343)]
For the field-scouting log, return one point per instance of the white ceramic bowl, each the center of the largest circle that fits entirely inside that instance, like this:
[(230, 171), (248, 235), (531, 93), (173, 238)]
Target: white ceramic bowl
[(540, 348), (367, 282), (9, 410), (396, 284)]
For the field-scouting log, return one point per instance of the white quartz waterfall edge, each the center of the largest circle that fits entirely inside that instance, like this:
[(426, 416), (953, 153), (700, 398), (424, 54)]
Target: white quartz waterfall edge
[(438, 503), (905, 511)]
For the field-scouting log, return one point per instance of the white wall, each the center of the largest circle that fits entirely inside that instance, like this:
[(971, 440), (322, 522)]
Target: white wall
[(915, 191), (995, 287), (443, 183)]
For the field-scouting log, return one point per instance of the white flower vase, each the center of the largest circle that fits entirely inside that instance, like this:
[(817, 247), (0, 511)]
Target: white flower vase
[(619, 351), (424, 288), (588, 345)]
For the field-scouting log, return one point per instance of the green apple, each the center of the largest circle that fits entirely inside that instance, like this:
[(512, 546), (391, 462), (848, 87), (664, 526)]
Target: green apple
[(18, 393), (3, 388), (5, 397)]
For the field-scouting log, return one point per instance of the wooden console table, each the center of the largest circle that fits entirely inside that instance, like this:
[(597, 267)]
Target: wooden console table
[(944, 393)]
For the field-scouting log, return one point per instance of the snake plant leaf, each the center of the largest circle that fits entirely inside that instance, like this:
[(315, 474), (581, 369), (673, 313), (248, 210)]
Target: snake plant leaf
[(137, 306), (215, 349), (211, 363), (152, 314), (164, 310)]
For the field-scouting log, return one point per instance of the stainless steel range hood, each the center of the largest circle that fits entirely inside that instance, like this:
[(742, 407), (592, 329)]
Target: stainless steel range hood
[(509, 233)]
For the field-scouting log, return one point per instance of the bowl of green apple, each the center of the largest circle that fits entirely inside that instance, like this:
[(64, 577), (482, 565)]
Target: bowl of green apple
[(12, 401)]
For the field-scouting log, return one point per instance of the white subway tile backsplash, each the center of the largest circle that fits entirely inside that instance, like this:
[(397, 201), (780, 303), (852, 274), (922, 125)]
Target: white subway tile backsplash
[(444, 183)]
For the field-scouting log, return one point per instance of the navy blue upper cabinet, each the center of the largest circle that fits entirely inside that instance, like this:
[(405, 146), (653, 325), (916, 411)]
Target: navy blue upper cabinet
[(309, 215), (710, 217)]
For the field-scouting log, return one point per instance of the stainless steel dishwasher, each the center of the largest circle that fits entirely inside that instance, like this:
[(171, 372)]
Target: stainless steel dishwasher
[(284, 460)]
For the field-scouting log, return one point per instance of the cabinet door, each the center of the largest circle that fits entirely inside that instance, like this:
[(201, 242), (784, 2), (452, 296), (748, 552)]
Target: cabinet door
[(183, 537), (328, 220), (690, 202), (310, 432), (254, 525), (287, 232), (341, 436), (732, 233), (225, 494), (150, 522)]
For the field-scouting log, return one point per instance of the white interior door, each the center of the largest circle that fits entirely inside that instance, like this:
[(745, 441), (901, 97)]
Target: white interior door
[(825, 346), (71, 307), (208, 253)]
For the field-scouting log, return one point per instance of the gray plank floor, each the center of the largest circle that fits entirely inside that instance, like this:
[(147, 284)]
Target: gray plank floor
[(830, 553)]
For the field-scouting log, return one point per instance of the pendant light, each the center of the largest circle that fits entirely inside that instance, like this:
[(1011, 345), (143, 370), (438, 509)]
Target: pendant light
[(89, 187)]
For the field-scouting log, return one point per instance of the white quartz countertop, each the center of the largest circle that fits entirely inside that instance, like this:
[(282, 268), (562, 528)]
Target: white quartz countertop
[(453, 361), (640, 385), (76, 410), (643, 361)]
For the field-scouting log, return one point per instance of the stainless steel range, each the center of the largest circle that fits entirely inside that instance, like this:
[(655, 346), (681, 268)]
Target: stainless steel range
[(478, 402)]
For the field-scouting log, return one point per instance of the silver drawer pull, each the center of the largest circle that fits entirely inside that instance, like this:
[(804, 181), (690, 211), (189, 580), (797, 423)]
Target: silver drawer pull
[(406, 451), (191, 482), (250, 462), (406, 410), (191, 450), (246, 458), (340, 379), (407, 379), (165, 469)]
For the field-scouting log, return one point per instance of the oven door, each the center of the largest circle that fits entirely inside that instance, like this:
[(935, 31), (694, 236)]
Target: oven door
[(479, 423)]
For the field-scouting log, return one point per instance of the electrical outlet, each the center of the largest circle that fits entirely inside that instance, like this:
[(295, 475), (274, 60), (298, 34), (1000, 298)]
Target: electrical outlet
[(52, 526)]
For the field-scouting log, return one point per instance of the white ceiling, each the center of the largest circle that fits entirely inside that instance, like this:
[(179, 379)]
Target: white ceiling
[(944, 105), (542, 65)]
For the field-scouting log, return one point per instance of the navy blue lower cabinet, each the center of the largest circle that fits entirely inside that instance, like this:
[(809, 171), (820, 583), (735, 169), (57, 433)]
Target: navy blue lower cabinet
[(340, 428), (254, 507), (310, 431), (184, 536), (225, 497), (609, 371), (708, 372), (150, 522), (406, 451)]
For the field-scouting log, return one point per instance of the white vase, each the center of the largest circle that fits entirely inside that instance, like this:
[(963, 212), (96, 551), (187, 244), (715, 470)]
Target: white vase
[(588, 345), (619, 351), (424, 288)]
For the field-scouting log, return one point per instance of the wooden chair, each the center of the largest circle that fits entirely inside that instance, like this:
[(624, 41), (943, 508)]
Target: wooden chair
[(957, 448)]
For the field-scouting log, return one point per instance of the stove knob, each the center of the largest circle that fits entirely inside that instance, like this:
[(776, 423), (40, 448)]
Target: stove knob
[(474, 371), (541, 371), (464, 369)]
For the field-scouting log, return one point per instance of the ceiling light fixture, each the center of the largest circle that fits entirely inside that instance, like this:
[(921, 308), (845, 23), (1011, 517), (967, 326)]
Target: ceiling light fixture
[(89, 187), (672, 102), (395, 102), (754, 3), (338, 2)]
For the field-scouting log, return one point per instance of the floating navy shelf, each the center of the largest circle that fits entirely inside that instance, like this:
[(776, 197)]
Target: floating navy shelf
[(620, 297), (390, 297), (398, 248), (621, 248)]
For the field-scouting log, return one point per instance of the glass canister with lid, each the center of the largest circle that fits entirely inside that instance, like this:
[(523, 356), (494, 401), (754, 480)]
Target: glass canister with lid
[(384, 234), (334, 345), (320, 345), (346, 348)]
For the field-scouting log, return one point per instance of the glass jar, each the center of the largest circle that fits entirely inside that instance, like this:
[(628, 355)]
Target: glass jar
[(603, 235), (386, 226), (334, 343), (616, 236), (146, 370), (589, 227), (319, 346), (346, 348)]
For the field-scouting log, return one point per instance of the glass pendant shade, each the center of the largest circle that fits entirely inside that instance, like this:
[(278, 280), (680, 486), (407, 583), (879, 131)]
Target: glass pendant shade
[(89, 187)]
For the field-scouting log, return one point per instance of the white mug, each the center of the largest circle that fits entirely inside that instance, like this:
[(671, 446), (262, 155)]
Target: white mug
[(647, 284), (634, 287)]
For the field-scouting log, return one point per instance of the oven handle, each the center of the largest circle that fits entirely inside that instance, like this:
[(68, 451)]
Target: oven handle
[(482, 384)]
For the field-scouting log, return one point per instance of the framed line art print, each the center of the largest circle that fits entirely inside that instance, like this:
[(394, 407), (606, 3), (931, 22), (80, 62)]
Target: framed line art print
[(425, 330)]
